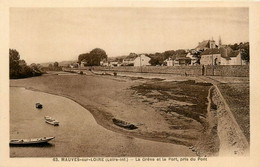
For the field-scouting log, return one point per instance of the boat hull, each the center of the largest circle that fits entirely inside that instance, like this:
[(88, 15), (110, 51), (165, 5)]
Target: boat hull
[(124, 124), (30, 141), (52, 123)]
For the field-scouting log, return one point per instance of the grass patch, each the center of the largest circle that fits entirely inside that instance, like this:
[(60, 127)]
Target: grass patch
[(184, 91)]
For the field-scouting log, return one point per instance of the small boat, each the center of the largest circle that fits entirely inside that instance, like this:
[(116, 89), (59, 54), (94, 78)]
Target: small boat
[(124, 124), (31, 141), (38, 105), (51, 121)]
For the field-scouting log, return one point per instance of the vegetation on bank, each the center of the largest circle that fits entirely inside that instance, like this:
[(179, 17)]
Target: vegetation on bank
[(19, 69), (54, 67)]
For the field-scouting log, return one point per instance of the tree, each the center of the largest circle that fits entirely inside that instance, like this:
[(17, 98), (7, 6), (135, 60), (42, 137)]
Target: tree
[(36, 69), (97, 55), (19, 68), (50, 66), (94, 57), (235, 46), (244, 48), (169, 53), (14, 58), (56, 64)]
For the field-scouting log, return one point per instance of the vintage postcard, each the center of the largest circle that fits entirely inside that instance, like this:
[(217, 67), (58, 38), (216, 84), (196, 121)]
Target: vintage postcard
[(129, 83)]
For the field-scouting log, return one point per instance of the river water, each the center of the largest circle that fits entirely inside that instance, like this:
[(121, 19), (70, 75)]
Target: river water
[(78, 134)]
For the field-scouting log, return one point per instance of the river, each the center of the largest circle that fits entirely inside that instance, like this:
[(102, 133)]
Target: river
[(78, 134)]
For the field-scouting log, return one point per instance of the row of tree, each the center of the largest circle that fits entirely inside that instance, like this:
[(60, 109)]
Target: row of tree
[(19, 68), (54, 67)]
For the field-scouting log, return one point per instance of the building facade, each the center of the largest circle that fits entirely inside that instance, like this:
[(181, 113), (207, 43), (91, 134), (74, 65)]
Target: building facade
[(142, 60)]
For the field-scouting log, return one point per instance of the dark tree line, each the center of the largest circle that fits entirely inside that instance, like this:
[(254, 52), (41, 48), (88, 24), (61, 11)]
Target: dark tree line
[(93, 58), (19, 69), (244, 49), (158, 58), (54, 67)]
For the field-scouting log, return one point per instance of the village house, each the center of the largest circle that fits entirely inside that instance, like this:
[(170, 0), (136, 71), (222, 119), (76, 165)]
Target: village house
[(74, 65), (169, 61), (182, 61), (104, 62), (179, 60), (83, 63), (142, 60), (194, 59), (114, 64), (231, 57), (129, 60), (210, 56), (222, 56)]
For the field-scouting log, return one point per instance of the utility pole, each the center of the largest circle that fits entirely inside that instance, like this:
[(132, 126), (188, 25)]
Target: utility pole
[(141, 63), (212, 64)]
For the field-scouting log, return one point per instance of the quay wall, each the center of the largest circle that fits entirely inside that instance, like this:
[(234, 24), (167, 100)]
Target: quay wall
[(217, 70)]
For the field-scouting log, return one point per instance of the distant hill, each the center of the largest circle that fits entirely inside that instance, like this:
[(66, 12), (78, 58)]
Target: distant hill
[(62, 63)]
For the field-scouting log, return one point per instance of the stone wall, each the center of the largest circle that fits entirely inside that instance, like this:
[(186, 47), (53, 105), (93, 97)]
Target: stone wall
[(228, 70), (178, 70), (219, 70)]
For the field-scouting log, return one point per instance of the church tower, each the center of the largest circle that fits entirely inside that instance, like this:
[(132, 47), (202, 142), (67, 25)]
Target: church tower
[(219, 42), (212, 44)]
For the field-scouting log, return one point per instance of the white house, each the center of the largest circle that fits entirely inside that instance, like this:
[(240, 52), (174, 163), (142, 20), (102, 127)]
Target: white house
[(142, 60), (169, 61)]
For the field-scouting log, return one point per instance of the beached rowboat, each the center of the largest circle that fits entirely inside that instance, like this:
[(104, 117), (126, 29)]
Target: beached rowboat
[(51, 121), (124, 124), (38, 105), (31, 141)]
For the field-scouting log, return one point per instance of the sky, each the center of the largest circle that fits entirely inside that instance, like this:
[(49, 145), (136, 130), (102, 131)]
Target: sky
[(58, 34)]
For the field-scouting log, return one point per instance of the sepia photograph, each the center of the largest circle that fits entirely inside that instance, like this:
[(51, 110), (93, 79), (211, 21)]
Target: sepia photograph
[(129, 82)]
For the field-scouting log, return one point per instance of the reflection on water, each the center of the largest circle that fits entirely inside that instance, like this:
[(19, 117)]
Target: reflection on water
[(78, 134)]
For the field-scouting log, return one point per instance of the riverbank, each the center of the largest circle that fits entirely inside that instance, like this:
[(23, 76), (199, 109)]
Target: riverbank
[(156, 113)]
